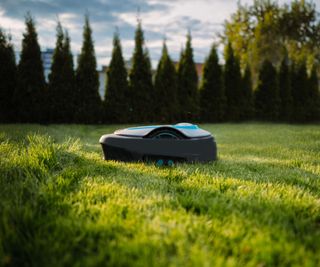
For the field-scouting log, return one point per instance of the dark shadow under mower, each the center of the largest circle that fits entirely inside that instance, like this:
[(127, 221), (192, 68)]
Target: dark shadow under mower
[(163, 144)]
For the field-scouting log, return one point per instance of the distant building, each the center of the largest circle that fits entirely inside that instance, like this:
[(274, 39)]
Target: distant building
[(199, 69), (102, 80), (17, 56), (46, 57)]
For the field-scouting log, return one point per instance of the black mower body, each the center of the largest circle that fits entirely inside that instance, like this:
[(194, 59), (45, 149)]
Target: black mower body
[(163, 144)]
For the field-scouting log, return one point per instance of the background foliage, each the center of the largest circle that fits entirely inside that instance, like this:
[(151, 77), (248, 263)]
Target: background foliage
[(269, 71)]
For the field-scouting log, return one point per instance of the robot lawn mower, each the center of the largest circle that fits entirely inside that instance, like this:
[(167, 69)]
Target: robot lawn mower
[(163, 144)]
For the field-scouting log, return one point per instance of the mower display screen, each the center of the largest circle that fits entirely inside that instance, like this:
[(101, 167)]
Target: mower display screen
[(165, 135)]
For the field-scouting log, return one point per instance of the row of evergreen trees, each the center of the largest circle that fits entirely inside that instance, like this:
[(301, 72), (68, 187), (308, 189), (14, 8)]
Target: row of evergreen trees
[(69, 96), (286, 93), (224, 94)]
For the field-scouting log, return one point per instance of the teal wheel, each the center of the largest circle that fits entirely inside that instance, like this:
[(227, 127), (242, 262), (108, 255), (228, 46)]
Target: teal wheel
[(159, 162), (170, 163)]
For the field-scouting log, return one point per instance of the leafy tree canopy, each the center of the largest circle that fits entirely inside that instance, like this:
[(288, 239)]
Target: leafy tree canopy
[(266, 30)]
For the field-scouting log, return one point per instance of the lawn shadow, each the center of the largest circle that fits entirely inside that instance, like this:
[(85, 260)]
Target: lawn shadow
[(297, 223)]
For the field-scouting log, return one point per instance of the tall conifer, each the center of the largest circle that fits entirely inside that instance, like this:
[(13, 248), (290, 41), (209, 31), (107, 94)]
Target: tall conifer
[(246, 107), (61, 81), (166, 89), (7, 78), (70, 82), (29, 97), (117, 100), (266, 96), (212, 101), (300, 91), (188, 94), (141, 87), (87, 81), (232, 82), (285, 93), (314, 97)]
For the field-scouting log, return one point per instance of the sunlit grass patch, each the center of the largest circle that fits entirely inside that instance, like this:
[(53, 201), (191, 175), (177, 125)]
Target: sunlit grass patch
[(62, 205)]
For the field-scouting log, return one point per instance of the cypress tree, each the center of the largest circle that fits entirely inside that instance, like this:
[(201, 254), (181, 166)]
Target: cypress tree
[(7, 77), (54, 87), (89, 105), (232, 82), (314, 99), (117, 101), (29, 96), (266, 96), (188, 94), (285, 93), (141, 87), (212, 98), (69, 77), (61, 80), (300, 91), (166, 89), (151, 114), (247, 99)]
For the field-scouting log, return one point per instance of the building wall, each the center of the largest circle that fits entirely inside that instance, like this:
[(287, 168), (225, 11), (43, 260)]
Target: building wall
[(102, 81), (46, 57)]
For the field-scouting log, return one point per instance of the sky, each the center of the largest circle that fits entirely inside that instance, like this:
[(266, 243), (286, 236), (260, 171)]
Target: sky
[(161, 19)]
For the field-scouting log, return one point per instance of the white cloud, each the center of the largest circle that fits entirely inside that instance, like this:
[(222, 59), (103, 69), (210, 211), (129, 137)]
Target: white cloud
[(13, 26), (160, 18), (69, 20)]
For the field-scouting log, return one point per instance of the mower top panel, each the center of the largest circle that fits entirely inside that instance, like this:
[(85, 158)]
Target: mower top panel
[(185, 130)]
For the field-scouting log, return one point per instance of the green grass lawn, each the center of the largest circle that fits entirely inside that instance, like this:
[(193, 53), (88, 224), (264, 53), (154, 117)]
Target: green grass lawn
[(62, 205)]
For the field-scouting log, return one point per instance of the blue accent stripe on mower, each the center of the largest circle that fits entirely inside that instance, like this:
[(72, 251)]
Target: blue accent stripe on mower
[(186, 127), (143, 127)]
